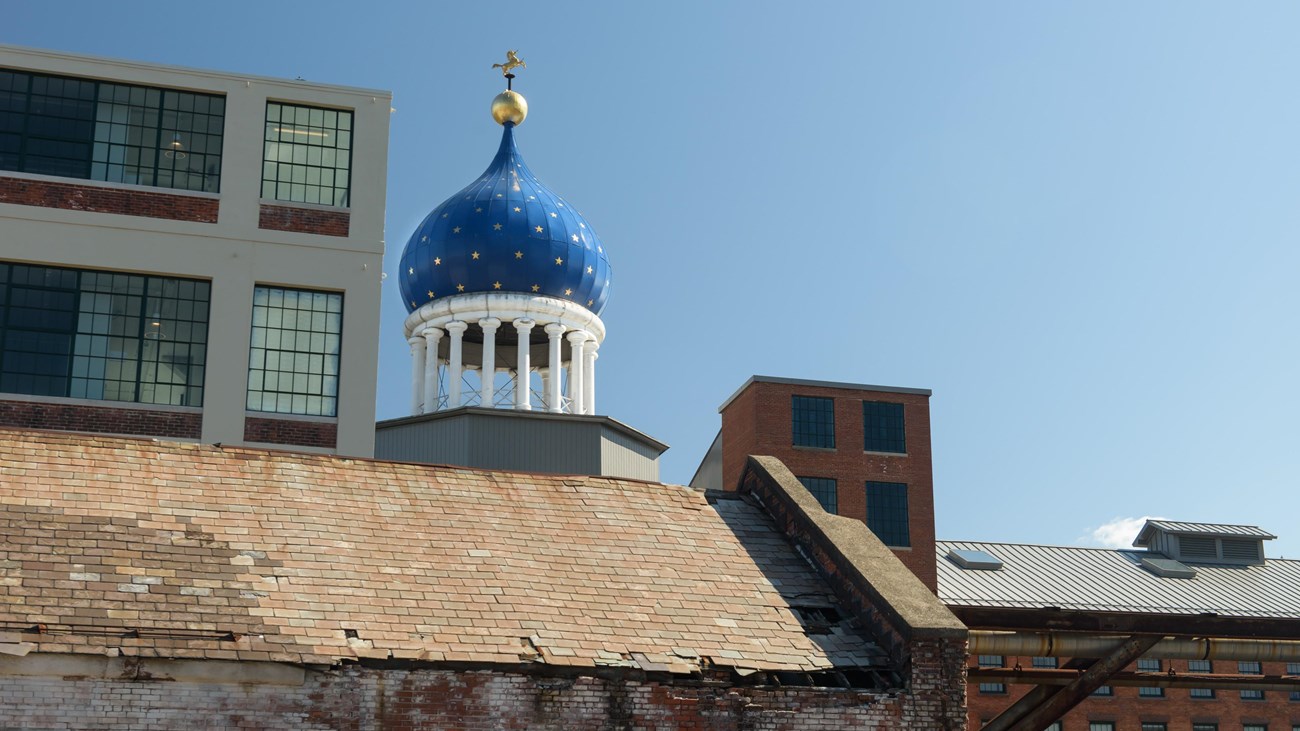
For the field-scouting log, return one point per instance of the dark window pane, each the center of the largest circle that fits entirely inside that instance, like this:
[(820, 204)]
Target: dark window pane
[(882, 427), (825, 490), (813, 421), (290, 347), (887, 512), (306, 154)]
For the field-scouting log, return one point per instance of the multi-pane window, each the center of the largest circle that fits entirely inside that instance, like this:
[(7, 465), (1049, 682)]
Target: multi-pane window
[(992, 661), (1205, 727), (1198, 667), (1251, 668), (1044, 662), (1101, 726), (293, 362), (118, 133), (1293, 668), (825, 490), (1055, 726), (882, 427), (1154, 726), (1254, 727), (1149, 665), (813, 421), (102, 335), (887, 512), (1103, 691), (308, 154)]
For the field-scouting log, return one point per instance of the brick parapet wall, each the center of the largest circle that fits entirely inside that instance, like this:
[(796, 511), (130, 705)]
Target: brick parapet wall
[(101, 419), (364, 699), (758, 421), (296, 432), (304, 220), (925, 640), (100, 199)]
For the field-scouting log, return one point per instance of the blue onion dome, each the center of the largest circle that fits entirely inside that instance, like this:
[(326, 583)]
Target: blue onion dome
[(506, 232)]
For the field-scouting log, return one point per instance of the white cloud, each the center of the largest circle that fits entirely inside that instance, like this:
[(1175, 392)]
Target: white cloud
[(1117, 532)]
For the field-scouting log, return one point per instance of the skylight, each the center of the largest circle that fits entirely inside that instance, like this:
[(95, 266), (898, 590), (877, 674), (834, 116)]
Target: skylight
[(974, 559)]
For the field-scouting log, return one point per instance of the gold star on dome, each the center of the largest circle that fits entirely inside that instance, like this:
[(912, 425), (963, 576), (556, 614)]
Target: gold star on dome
[(478, 210), (496, 285), (473, 254), (575, 238), (460, 288), (538, 229), (431, 294), (437, 261), (518, 209), (558, 261), (410, 270), (589, 302), (496, 227), (568, 292), (444, 215), (532, 197), (554, 214), (499, 195), (519, 254), (456, 230), (424, 238), (413, 304), (536, 287), (589, 270)]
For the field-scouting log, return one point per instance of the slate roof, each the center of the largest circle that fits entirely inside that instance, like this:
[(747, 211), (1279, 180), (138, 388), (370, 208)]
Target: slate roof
[(183, 550), (1105, 580)]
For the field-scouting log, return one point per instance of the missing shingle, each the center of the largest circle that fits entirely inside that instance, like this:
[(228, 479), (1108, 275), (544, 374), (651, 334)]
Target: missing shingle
[(817, 620), (351, 634)]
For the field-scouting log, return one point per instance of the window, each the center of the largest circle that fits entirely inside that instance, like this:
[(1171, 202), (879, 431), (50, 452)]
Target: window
[(813, 421), (1254, 727), (1055, 726), (308, 154), (1200, 666), (1104, 691), (991, 661), (1205, 727), (824, 489), (1101, 726), (1251, 668), (1149, 665), (102, 335), (1154, 726), (1044, 662), (1293, 668), (293, 363), (78, 128), (882, 427), (887, 512)]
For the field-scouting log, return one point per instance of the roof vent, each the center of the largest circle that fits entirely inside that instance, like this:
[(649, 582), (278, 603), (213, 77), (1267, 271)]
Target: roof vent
[(973, 559), (1168, 568), (1197, 547), (1239, 549)]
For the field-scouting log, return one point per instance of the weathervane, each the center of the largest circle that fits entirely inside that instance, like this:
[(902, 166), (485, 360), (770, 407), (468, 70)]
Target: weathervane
[(512, 62)]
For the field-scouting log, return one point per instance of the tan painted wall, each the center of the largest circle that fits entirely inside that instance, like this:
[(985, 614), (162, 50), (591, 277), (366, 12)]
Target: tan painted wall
[(234, 253)]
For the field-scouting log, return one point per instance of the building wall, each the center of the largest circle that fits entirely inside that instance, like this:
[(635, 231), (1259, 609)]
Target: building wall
[(1127, 710), (758, 421), (131, 228), (359, 699)]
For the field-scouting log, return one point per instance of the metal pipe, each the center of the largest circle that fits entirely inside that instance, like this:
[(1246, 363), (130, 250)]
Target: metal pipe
[(1058, 644)]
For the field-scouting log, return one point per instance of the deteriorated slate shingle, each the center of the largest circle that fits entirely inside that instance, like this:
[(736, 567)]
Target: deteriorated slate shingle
[(180, 550)]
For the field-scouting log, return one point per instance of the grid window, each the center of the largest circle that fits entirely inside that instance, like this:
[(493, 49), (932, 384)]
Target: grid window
[(119, 133), (308, 154), (1055, 726), (1251, 668), (102, 335), (1154, 726), (824, 489), (1101, 726), (1149, 665), (813, 421), (1044, 662), (1293, 668), (1254, 727), (992, 661), (1205, 727), (882, 427), (293, 365), (1104, 691), (887, 512), (1200, 666)]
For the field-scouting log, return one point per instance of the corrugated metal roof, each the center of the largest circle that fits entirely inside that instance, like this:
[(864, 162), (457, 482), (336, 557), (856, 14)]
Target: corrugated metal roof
[(1105, 580), (1208, 529)]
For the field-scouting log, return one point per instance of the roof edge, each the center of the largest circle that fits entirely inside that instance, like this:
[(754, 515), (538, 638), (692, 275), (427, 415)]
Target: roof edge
[(609, 421), (822, 384)]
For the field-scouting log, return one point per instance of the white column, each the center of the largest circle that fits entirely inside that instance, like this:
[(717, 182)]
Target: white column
[(417, 373), (431, 337), (576, 340), (553, 403), (454, 365), (488, 371), (523, 399), (589, 376)]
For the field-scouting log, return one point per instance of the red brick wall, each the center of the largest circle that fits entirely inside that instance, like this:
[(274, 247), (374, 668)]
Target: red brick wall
[(304, 220), (758, 421), (101, 419), (405, 700), (128, 202), (1177, 708), (290, 431)]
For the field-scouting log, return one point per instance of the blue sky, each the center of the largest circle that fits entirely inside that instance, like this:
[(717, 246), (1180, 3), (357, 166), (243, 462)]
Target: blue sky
[(1076, 223)]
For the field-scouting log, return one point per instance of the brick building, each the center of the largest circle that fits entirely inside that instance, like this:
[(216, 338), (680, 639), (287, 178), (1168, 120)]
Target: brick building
[(189, 254), (269, 591), (863, 451)]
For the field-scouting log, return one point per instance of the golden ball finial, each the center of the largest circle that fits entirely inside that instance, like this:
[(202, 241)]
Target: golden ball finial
[(509, 106)]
